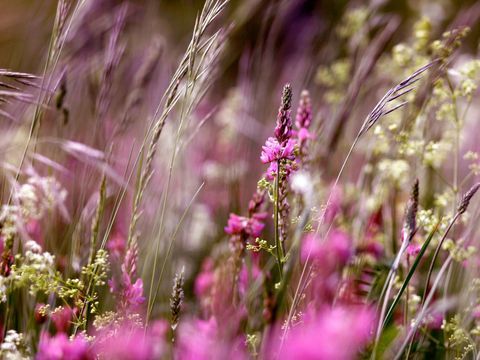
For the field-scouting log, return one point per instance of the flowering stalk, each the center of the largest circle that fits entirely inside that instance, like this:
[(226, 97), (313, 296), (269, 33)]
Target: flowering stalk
[(407, 234), (278, 151), (176, 301), (303, 121), (461, 210)]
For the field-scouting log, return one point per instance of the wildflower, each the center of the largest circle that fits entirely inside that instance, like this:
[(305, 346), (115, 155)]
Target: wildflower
[(128, 341), (59, 347), (240, 225), (335, 205), (413, 249), (246, 278), (116, 246), (303, 121), (14, 347), (336, 250), (283, 130), (273, 151), (203, 339), (344, 332), (40, 313), (128, 290), (61, 318), (204, 280)]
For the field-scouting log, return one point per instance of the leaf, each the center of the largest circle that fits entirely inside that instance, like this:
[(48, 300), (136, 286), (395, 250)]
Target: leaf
[(410, 274)]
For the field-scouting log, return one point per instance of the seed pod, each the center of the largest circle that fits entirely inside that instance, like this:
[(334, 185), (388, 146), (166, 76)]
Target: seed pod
[(467, 197)]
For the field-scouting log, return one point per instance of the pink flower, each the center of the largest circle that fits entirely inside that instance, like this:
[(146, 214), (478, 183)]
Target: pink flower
[(204, 279), (303, 118), (116, 246), (59, 347), (373, 248), (434, 321), (335, 204), (134, 293), (413, 249), (61, 318), (303, 134), (246, 277), (131, 294), (202, 340), (131, 342), (335, 333), (238, 225), (336, 250), (273, 151)]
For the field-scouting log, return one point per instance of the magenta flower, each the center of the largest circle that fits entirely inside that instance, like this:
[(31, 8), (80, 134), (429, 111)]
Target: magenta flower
[(304, 111), (241, 225), (303, 135), (59, 347), (131, 294), (61, 318), (335, 333), (273, 151), (335, 251), (247, 277), (204, 279), (203, 340), (116, 247), (131, 342), (134, 293), (413, 249)]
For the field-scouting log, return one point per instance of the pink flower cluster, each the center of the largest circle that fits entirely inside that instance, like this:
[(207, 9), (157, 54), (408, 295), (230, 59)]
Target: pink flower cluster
[(128, 290), (59, 347), (241, 225), (334, 333), (274, 151)]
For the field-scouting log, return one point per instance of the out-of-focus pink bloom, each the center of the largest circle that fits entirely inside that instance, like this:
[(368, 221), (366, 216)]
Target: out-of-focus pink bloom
[(413, 249), (273, 151), (128, 291), (375, 222), (476, 313), (434, 321), (131, 294), (303, 134), (336, 250), (59, 347), (116, 247), (61, 318), (246, 278), (130, 342), (204, 280), (303, 119), (335, 204), (335, 333), (239, 225), (202, 340), (134, 293), (373, 248)]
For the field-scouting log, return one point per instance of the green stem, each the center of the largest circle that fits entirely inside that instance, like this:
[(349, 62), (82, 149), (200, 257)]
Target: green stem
[(278, 244)]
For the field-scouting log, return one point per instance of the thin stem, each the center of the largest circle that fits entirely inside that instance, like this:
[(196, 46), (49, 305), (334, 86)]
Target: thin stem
[(278, 243), (435, 255)]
